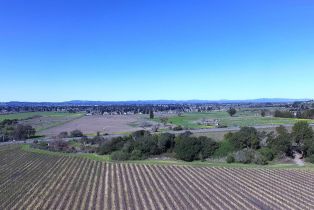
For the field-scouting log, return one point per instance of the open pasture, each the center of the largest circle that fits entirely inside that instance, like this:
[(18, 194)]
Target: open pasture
[(37, 181)]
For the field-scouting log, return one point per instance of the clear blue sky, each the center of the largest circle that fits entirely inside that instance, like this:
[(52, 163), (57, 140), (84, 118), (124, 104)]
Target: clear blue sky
[(134, 50)]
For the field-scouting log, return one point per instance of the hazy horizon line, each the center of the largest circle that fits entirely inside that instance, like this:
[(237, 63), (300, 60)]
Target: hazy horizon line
[(139, 100)]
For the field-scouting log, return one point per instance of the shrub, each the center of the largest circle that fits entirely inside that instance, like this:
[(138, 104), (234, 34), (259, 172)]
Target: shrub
[(63, 134), (112, 145), (283, 114), (60, 145), (309, 147), (166, 142), (40, 145), (186, 134), (259, 159), (88, 148), (136, 155), (310, 159), (244, 156), (228, 136), (250, 156), (224, 148), (187, 148), (147, 145), (301, 131), (128, 146), (96, 140), (76, 133), (191, 148), (230, 158), (247, 137), (177, 128), (140, 133), (22, 132), (267, 153), (308, 114), (120, 156), (222, 126), (208, 147), (282, 143)]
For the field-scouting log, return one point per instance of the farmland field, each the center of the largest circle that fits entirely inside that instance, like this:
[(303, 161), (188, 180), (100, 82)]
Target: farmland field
[(43, 120), (242, 118), (113, 124), (25, 115), (38, 181)]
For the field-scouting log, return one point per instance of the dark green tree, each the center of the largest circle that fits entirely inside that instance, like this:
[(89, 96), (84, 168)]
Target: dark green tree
[(22, 132), (208, 147), (263, 113), (187, 148), (303, 136), (283, 114), (302, 131), (232, 111), (166, 142), (281, 143), (120, 156), (112, 145), (247, 137), (190, 148), (76, 133), (151, 114)]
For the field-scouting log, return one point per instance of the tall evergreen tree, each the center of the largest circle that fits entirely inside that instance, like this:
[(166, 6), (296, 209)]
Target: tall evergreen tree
[(151, 114)]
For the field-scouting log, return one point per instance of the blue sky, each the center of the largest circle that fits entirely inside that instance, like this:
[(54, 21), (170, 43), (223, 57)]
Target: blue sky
[(136, 50)]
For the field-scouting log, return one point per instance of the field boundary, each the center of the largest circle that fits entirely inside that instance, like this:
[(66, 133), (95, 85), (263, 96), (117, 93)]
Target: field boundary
[(106, 158)]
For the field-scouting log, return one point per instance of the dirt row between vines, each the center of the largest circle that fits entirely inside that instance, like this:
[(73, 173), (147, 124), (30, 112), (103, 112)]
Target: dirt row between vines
[(35, 181)]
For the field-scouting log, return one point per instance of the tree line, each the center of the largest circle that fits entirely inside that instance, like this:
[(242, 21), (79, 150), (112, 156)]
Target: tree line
[(12, 130), (245, 146), (251, 146), (248, 145), (305, 114), (142, 145), (101, 109)]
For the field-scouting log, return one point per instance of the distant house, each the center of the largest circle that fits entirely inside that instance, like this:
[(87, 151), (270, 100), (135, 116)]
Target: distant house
[(210, 122)]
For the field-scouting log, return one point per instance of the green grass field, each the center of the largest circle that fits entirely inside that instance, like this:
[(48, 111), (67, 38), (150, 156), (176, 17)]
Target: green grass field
[(242, 118)]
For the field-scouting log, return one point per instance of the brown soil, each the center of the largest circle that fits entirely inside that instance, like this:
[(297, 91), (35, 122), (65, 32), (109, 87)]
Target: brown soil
[(110, 124)]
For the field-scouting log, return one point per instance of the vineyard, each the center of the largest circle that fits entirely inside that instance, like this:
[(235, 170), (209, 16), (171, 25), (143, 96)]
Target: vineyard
[(36, 181)]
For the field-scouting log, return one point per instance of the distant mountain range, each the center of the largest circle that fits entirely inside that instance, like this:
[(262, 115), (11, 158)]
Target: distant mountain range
[(139, 102)]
